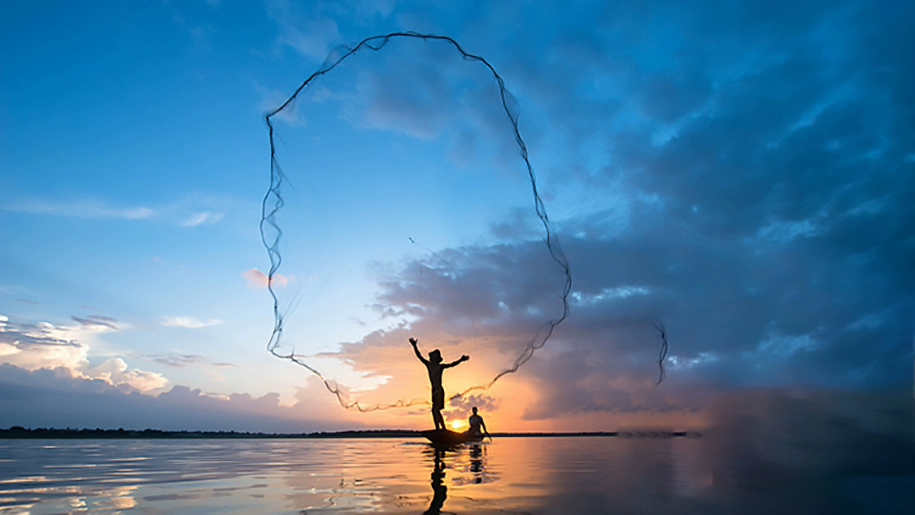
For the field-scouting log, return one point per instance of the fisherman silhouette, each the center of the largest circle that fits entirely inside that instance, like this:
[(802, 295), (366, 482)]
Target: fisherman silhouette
[(435, 367), (477, 426)]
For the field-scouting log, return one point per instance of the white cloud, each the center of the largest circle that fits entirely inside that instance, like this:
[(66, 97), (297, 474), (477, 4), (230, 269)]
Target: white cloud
[(258, 279), (189, 322), (66, 347), (205, 217), (81, 209), (700, 359), (187, 360), (115, 371), (8, 350), (619, 292), (186, 213)]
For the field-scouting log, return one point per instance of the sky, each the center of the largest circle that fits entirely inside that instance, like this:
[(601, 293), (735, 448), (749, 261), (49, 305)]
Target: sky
[(741, 173)]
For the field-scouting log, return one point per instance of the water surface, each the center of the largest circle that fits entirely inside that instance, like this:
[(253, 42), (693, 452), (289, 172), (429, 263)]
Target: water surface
[(506, 476)]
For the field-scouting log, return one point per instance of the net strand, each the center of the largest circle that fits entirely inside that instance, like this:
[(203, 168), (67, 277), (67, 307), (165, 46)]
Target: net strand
[(662, 354)]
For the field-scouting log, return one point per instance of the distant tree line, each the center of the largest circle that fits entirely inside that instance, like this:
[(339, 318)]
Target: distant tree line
[(21, 432), (55, 433)]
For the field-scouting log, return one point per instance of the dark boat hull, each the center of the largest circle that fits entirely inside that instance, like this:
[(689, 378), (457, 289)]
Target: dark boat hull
[(445, 438)]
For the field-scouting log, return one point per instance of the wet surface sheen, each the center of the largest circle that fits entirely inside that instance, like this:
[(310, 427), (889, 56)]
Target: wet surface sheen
[(510, 475)]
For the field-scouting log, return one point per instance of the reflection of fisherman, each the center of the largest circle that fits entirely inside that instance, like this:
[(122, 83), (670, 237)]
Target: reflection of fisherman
[(435, 367), (439, 490), (477, 426), (476, 462)]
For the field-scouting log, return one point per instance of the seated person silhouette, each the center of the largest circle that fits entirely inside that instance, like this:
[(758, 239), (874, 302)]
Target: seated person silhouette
[(477, 426), (435, 367)]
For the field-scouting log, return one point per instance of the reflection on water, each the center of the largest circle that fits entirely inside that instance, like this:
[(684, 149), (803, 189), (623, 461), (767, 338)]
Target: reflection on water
[(506, 476), (439, 490)]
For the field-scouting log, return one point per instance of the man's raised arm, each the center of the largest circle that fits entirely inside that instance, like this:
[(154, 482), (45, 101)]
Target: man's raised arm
[(457, 362), (413, 342)]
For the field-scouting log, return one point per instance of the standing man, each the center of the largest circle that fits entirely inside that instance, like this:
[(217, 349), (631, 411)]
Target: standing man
[(435, 367)]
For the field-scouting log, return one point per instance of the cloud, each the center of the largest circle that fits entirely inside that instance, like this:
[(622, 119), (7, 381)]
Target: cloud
[(189, 322), (733, 321), (115, 371), (185, 213), (462, 407), (742, 175), (424, 90), (186, 360), (97, 320), (258, 279), (53, 398), (203, 218), (80, 209), (304, 27), (45, 346)]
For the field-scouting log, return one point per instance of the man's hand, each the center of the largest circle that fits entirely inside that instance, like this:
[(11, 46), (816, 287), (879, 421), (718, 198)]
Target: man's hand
[(413, 341), (465, 358)]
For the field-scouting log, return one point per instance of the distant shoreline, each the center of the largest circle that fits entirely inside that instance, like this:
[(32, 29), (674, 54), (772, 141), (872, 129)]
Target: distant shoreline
[(17, 432)]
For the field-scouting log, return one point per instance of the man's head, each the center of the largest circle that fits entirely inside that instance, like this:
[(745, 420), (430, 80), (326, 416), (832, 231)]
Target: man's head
[(435, 356), (474, 409)]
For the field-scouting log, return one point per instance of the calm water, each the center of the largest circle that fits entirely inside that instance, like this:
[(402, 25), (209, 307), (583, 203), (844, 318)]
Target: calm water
[(509, 475)]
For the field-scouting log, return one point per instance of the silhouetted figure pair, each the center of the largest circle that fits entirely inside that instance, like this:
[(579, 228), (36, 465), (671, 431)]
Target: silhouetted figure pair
[(435, 367)]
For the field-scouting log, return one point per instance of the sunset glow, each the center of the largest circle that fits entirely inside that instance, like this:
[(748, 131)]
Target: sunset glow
[(720, 175)]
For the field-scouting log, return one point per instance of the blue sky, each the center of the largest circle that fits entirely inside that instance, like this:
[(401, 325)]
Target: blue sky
[(742, 173)]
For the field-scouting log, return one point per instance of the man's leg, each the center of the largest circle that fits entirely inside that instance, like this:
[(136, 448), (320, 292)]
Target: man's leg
[(438, 419)]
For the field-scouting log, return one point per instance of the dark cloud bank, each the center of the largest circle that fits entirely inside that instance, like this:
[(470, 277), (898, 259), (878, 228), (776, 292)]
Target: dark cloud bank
[(65, 401), (758, 172)]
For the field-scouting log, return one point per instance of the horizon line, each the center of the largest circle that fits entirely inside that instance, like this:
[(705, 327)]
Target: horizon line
[(18, 432)]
